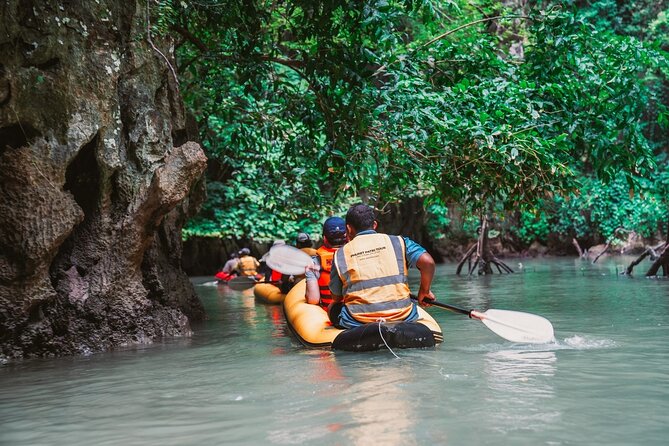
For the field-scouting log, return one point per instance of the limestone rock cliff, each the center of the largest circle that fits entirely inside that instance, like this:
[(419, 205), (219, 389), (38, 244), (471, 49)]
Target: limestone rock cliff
[(96, 173)]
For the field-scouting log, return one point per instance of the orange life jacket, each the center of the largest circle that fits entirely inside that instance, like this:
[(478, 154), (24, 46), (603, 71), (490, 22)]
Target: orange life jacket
[(374, 274), (326, 256)]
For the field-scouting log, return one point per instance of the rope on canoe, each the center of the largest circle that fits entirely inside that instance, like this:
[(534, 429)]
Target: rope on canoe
[(380, 321)]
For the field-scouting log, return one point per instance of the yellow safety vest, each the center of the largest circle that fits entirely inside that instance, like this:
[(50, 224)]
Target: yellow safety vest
[(247, 266), (373, 271)]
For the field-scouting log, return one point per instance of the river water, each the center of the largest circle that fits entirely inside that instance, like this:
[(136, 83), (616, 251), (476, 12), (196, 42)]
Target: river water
[(241, 378)]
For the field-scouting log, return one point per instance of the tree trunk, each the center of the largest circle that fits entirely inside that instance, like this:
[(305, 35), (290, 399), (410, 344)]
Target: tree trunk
[(480, 258), (96, 168), (662, 261), (483, 250), (659, 260), (408, 218)]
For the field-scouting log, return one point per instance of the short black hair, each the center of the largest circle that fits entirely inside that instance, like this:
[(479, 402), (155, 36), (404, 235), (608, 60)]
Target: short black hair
[(361, 217)]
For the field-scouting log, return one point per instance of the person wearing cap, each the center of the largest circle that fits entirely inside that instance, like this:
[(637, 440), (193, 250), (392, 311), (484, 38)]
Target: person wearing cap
[(247, 265), (303, 242), (318, 275), (231, 264), (369, 277)]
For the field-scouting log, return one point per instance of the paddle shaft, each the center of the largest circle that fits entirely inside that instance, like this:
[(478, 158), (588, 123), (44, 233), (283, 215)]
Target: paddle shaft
[(244, 283), (273, 282), (450, 307), (446, 306)]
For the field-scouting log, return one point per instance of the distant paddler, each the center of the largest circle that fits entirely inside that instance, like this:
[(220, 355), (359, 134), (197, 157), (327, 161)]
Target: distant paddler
[(247, 265), (228, 271)]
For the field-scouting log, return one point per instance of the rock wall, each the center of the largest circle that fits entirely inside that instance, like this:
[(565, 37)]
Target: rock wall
[(96, 169)]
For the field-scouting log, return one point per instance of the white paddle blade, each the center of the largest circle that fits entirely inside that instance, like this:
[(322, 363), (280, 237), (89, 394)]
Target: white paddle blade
[(288, 260), (516, 326)]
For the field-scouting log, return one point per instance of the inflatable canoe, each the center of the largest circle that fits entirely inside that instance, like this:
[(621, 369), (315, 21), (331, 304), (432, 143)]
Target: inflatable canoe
[(311, 325), (268, 293)]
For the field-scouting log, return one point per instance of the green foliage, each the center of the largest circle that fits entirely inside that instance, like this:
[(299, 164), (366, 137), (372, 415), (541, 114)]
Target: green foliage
[(483, 129), (437, 221), (630, 18), (533, 225), (599, 209), (659, 28), (306, 105)]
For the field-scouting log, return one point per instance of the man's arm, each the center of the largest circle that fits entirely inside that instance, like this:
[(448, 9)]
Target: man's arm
[(312, 275), (419, 258), (425, 265)]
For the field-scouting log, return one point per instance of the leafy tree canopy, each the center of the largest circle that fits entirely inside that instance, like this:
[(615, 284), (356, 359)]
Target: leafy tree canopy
[(306, 105)]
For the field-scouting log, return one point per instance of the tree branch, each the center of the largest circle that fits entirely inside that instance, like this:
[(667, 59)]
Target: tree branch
[(155, 48), (466, 25), (199, 44)]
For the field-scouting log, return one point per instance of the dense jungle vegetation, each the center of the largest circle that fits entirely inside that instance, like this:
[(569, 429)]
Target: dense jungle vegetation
[(547, 117)]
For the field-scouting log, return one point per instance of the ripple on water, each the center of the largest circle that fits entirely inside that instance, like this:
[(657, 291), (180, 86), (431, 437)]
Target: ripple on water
[(577, 342)]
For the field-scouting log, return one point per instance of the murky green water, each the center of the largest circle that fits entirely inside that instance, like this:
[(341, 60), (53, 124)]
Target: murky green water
[(241, 379)]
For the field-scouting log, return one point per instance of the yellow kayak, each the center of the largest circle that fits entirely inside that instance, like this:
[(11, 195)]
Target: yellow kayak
[(268, 293), (311, 325)]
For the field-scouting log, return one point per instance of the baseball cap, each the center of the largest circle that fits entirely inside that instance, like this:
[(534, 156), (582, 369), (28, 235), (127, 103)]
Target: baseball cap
[(334, 229), (302, 237)]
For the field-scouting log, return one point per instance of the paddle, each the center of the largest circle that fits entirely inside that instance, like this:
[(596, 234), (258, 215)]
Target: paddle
[(288, 260), (513, 326), (242, 283)]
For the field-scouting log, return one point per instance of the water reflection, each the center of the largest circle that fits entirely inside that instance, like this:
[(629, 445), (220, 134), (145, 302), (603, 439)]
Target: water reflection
[(321, 414), (249, 310), (275, 316), (325, 368), (521, 384), (382, 411)]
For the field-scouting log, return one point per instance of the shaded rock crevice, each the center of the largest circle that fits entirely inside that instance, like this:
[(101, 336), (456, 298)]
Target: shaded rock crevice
[(93, 188)]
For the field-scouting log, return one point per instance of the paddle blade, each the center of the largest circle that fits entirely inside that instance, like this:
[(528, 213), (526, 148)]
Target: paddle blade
[(288, 260), (516, 326), (242, 283)]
